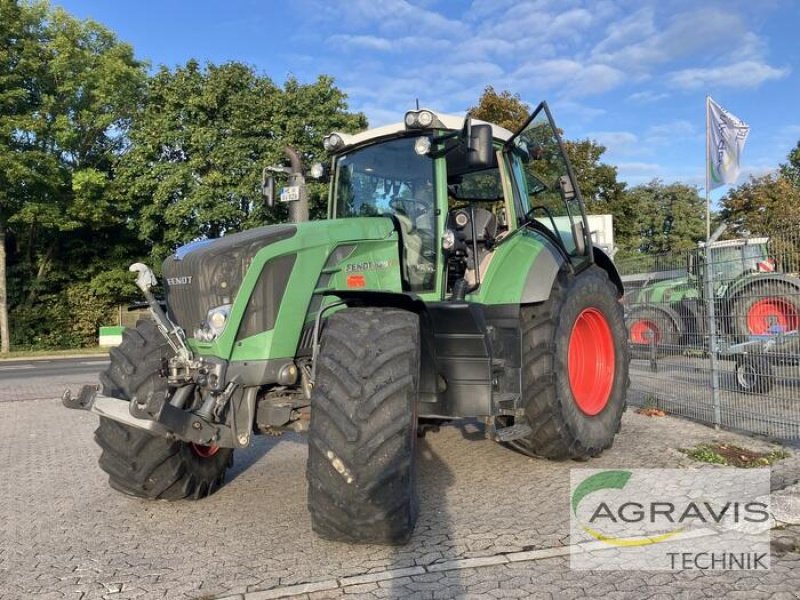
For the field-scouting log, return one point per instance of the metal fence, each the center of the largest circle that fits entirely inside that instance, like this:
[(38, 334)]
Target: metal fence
[(714, 333)]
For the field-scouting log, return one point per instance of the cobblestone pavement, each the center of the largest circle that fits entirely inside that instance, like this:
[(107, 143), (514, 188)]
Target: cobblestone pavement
[(65, 534)]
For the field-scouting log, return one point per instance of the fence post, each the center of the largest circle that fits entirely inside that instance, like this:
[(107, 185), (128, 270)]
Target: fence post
[(711, 312)]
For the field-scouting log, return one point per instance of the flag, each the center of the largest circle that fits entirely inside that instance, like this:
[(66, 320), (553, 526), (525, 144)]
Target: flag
[(725, 138)]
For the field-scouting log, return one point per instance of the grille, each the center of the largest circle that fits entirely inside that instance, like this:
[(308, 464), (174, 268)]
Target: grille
[(211, 274)]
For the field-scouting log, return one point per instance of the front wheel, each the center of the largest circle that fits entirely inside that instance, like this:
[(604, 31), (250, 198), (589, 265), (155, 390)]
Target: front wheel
[(575, 368), (137, 462), (361, 467), (754, 374)]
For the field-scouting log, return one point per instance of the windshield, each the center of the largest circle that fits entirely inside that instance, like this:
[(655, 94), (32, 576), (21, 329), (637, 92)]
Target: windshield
[(383, 179), (391, 179)]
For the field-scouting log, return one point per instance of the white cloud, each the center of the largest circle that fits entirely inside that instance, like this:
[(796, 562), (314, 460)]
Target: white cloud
[(359, 42), (647, 97), (746, 74), (639, 43), (571, 77), (615, 141), (670, 132)]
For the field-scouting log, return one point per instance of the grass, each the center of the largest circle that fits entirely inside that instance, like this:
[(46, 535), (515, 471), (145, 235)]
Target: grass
[(47, 353), (734, 456)]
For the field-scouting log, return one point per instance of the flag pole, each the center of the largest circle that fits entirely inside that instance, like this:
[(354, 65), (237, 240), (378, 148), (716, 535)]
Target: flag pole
[(708, 156)]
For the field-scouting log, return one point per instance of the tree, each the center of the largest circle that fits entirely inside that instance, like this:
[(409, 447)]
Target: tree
[(504, 109), (763, 205), (670, 217), (201, 139), (601, 191), (69, 88), (791, 169)]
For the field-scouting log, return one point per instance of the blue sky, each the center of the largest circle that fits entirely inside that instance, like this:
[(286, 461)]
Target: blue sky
[(631, 74)]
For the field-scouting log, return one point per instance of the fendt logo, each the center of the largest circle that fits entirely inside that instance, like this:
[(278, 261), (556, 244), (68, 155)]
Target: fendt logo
[(665, 515), (185, 280)]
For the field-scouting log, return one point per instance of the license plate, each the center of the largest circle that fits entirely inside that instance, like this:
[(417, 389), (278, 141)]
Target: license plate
[(290, 193)]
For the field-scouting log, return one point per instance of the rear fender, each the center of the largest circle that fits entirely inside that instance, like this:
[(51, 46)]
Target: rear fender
[(739, 286), (603, 260)]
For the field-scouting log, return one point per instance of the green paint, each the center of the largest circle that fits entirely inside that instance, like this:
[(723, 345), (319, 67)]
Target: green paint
[(504, 280), (599, 481), (313, 243)]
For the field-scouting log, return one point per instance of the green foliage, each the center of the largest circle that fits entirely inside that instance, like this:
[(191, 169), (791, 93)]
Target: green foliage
[(665, 217), (201, 140), (504, 109), (791, 170), (68, 90), (763, 205)]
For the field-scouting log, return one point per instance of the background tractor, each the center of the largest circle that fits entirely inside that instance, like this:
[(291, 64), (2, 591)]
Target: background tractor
[(752, 298), (454, 277)]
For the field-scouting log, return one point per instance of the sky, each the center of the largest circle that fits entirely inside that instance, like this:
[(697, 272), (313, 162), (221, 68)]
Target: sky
[(632, 75)]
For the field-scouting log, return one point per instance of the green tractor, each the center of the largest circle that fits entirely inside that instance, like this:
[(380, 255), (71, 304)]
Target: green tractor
[(454, 277), (752, 299)]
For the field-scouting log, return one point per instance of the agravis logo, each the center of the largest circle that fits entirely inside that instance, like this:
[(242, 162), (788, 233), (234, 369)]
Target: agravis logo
[(662, 519), (611, 480)]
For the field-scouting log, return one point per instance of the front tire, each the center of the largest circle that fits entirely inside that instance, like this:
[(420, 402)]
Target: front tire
[(361, 466), (575, 368), (648, 325), (137, 462)]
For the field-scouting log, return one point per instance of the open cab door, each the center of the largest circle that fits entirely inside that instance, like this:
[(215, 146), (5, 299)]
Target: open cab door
[(549, 191)]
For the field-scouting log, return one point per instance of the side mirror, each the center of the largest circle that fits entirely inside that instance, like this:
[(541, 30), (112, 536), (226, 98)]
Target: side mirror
[(479, 145), (566, 188), (268, 187)]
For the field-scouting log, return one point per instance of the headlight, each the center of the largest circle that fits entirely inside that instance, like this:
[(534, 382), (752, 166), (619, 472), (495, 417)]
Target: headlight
[(332, 142), (420, 119), (422, 146), (214, 325), (448, 240)]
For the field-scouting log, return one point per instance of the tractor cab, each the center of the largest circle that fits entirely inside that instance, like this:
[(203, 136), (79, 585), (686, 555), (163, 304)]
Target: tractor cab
[(455, 189)]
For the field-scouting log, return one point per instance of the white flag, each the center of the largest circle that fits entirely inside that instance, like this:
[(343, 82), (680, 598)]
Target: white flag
[(726, 135)]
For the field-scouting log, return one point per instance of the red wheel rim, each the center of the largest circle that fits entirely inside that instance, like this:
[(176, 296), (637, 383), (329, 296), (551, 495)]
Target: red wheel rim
[(591, 361), (204, 451), (772, 315), (644, 331)]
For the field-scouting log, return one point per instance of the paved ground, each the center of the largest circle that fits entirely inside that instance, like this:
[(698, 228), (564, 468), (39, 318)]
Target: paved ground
[(65, 534)]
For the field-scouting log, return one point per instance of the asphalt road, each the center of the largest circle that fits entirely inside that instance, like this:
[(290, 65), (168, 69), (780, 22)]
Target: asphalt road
[(46, 378)]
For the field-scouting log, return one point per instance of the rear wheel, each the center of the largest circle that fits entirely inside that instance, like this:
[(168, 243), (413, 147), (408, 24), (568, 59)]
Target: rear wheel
[(649, 326), (575, 368), (138, 463), (361, 469), (767, 309)]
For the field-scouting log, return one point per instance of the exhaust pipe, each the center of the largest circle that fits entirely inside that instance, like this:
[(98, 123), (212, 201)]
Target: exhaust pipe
[(298, 210)]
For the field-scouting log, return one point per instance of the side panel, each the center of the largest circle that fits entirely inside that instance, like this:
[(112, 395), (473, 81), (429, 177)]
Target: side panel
[(373, 260)]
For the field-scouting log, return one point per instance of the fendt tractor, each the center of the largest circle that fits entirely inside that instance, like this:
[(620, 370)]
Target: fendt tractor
[(752, 298), (454, 277)]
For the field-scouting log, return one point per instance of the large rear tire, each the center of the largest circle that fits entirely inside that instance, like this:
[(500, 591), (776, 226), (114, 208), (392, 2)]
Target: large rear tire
[(361, 467), (137, 462), (767, 309), (574, 367)]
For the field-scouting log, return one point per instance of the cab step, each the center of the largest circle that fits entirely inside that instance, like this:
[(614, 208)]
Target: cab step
[(514, 432)]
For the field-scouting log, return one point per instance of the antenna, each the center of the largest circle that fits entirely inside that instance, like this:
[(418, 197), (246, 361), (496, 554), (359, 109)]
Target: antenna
[(417, 103)]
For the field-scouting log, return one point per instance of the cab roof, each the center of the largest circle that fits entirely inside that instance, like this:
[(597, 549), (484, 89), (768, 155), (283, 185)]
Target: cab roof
[(450, 122)]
